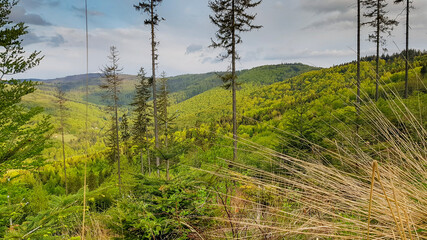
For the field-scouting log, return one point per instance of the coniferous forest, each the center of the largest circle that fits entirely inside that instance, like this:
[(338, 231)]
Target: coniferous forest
[(278, 151)]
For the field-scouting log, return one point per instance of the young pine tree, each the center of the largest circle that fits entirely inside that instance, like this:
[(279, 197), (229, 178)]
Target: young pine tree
[(143, 112), (163, 105), (408, 7), (166, 121), (150, 7), (61, 101), (232, 18), (112, 88), (125, 135), (382, 24)]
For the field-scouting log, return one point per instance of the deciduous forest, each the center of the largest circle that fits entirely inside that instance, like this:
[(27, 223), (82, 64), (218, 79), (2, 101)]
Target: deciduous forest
[(279, 151)]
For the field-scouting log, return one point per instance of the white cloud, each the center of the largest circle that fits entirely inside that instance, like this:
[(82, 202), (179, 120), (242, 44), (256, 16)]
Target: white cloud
[(316, 32)]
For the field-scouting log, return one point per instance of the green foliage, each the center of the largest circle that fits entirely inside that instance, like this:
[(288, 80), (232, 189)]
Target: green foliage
[(38, 200), (12, 58), (150, 8), (142, 112), (92, 183), (424, 70), (61, 218), (163, 104), (23, 132), (378, 20), (160, 209), (187, 86), (124, 128), (125, 135), (112, 88), (232, 18), (101, 201)]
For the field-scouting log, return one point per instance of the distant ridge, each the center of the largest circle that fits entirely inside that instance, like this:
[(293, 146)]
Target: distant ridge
[(181, 87)]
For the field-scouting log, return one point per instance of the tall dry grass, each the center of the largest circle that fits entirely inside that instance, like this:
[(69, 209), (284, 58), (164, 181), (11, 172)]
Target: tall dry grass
[(378, 192)]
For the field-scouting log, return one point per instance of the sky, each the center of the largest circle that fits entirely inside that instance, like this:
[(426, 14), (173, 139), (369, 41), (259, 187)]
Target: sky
[(315, 32)]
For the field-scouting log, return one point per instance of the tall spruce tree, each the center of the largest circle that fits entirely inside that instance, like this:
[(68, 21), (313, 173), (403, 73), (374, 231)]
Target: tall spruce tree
[(61, 101), (143, 113), (18, 143), (232, 18), (382, 24), (407, 8), (150, 8), (112, 87)]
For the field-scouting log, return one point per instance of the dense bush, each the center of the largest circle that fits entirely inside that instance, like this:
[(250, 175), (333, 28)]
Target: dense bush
[(160, 209)]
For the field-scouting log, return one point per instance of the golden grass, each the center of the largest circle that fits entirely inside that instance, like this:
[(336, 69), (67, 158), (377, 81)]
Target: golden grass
[(381, 194)]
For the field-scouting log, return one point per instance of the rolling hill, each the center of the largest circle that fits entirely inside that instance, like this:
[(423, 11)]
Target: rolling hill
[(197, 97), (181, 87)]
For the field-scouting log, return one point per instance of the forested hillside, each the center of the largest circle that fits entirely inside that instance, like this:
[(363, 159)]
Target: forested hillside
[(297, 116), (194, 97), (181, 87)]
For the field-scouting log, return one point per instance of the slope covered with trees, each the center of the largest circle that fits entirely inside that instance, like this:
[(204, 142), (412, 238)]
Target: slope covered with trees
[(295, 152), (298, 116)]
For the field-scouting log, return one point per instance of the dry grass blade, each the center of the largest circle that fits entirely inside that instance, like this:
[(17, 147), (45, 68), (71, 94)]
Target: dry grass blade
[(304, 199)]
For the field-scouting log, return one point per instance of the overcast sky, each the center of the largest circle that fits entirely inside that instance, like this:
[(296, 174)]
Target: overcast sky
[(315, 32)]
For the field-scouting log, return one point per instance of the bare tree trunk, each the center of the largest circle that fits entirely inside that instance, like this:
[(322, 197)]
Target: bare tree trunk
[(167, 170), (8, 203), (378, 53), (62, 108), (86, 125), (166, 145), (358, 57), (233, 89), (166, 129), (117, 136), (142, 162), (233, 83), (358, 100), (149, 161), (153, 65), (407, 49), (63, 154)]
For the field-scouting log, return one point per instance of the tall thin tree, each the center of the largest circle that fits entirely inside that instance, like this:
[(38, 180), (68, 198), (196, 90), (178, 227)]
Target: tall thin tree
[(61, 101), (408, 7), (382, 24), (112, 87), (163, 102), (86, 121), (358, 101), (150, 7), (143, 113), (164, 117), (232, 18)]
